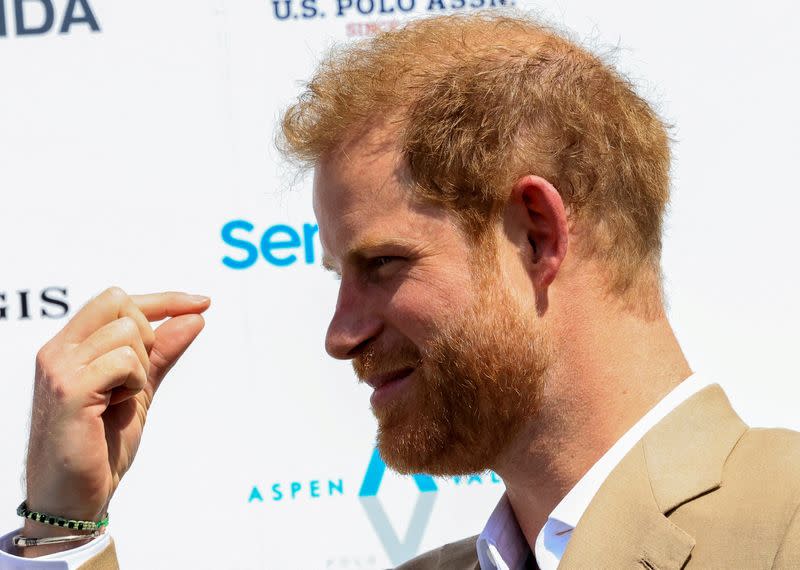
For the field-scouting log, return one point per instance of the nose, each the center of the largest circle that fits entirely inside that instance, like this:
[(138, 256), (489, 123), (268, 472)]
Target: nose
[(353, 326)]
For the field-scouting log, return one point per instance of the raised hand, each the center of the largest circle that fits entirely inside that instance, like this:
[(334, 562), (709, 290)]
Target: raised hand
[(95, 381)]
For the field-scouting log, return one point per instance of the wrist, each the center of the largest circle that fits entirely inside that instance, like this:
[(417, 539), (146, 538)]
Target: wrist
[(36, 529), (32, 529), (66, 500), (40, 524), (64, 511)]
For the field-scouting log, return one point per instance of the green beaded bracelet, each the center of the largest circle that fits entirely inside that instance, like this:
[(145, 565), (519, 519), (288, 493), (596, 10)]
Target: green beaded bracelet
[(53, 520)]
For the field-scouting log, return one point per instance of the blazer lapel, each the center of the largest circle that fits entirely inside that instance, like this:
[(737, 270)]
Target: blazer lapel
[(677, 460)]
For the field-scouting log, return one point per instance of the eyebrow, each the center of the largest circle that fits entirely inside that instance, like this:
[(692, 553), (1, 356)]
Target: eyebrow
[(360, 250)]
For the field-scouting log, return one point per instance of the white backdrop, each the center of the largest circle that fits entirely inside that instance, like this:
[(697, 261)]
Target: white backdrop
[(131, 133)]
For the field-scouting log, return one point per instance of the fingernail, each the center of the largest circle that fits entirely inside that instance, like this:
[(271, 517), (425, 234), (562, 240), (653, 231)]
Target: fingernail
[(198, 298)]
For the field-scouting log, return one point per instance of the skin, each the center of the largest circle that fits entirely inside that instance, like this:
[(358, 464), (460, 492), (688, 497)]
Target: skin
[(610, 365), (95, 382), (403, 268)]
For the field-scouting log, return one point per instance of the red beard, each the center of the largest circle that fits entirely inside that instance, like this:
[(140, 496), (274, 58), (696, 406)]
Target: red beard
[(475, 385)]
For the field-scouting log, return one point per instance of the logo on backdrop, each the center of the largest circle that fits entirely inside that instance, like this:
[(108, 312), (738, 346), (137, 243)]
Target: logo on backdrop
[(280, 245), (398, 550), (400, 544), (39, 17), (389, 13), (27, 304), (315, 9)]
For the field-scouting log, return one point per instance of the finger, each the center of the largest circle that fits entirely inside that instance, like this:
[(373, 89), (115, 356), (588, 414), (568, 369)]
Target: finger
[(158, 306), (118, 369), (99, 311), (172, 339), (122, 332), (129, 309)]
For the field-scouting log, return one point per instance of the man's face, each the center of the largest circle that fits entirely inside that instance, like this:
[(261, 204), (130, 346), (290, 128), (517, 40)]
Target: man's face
[(433, 323)]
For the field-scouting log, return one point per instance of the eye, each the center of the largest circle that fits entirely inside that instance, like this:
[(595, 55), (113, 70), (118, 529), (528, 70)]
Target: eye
[(382, 261), (383, 266)]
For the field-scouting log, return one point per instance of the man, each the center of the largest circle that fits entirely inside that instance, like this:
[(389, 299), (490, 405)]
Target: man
[(492, 197)]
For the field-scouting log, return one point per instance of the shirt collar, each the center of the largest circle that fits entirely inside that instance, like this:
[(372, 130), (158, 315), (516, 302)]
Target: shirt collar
[(502, 545), (571, 508)]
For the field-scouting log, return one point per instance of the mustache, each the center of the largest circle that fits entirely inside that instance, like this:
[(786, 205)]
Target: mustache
[(374, 361)]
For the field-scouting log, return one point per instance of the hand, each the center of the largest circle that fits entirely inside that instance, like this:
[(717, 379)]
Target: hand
[(95, 381)]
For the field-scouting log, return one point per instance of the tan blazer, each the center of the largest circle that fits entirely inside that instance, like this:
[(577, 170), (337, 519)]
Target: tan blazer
[(699, 490)]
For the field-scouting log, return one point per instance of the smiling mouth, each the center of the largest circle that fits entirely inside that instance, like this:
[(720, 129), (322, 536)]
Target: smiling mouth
[(387, 386), (381, 380)]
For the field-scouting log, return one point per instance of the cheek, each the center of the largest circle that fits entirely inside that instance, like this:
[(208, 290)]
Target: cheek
[(419, 309)]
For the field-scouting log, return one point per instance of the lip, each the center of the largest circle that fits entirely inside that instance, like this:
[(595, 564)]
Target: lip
[(387, 386), (382, 379)]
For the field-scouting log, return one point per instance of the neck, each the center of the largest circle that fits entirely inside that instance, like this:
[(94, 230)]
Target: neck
[(608, 376)]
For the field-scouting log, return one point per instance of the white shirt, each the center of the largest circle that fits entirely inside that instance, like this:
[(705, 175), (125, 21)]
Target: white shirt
[(502, 546)]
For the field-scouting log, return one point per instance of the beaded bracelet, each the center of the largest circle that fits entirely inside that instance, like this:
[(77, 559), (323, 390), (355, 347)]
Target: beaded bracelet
[(53, 520)]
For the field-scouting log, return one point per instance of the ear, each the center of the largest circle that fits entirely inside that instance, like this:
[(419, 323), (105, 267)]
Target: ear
[(541, 211)]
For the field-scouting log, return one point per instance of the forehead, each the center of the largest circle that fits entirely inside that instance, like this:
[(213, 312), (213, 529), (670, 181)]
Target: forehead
[(359, 176), (363, 196)]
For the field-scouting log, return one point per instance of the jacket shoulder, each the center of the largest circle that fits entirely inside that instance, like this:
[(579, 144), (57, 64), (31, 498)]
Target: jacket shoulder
[(773, 452), (458, 555), (774, 458), (763, 470), (766, 462)]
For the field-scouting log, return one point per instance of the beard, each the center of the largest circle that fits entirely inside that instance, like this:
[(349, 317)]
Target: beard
[(474, 386)]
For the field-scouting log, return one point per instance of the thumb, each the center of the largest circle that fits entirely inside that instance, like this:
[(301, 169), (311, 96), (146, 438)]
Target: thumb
[(171, 340)]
